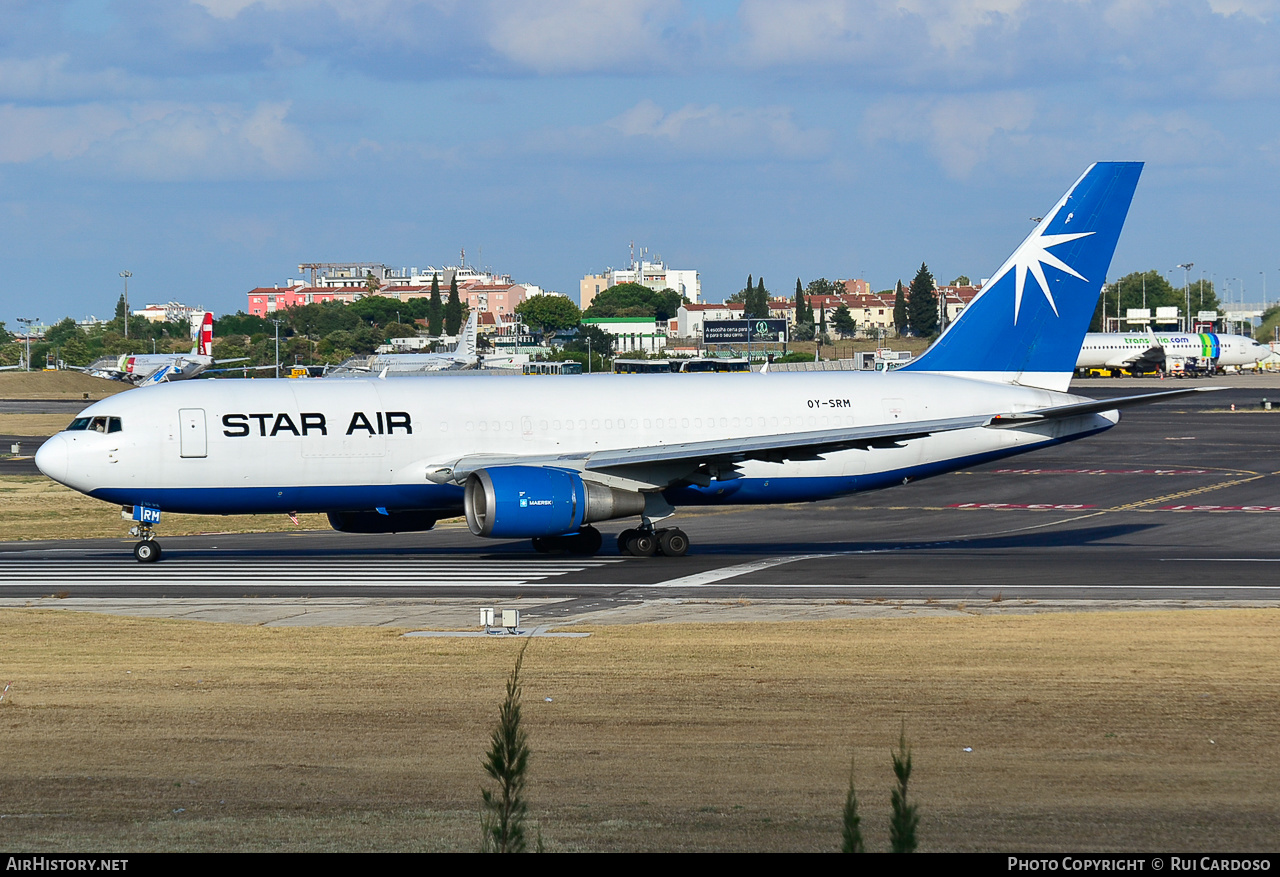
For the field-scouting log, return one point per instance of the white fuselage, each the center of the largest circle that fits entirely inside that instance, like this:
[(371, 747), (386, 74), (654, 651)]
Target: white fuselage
[(1116, 350), (228, 447)]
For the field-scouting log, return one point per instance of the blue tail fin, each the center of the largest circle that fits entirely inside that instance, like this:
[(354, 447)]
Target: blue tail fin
[(1027, 324)]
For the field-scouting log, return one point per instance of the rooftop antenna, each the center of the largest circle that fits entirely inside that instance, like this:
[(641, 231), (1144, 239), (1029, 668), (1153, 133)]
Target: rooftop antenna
[(462, 257), (633, 255)]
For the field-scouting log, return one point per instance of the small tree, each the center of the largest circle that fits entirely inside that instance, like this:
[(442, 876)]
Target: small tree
[(453, 309), (903, 822), (502, 821), (922, 303), (844, 322), (852, 828), (899, 309), (435, 309)]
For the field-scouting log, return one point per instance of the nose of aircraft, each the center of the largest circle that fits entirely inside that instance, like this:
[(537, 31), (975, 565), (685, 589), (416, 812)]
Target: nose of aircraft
[(51, 458)]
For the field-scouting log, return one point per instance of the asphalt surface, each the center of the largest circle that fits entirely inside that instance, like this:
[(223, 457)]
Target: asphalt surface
[(1178, 502)]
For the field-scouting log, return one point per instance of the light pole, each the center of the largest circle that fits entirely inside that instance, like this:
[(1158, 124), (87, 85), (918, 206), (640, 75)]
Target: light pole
[(126, 275), (277, 322), (27, 334), (1186, 289)]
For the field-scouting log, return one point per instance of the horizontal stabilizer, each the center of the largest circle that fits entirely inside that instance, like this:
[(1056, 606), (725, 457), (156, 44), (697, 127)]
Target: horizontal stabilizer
[(1061, 412)]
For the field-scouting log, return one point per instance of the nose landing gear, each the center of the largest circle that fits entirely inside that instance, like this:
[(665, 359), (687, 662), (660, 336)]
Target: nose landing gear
[(147, 550)]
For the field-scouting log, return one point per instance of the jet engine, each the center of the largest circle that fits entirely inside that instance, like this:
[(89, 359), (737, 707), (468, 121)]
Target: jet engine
[(527, 501), (376, 522)]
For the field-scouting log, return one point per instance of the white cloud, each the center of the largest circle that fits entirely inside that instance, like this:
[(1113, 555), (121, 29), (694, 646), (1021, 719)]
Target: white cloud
[(958, 131), (159, 141), (568, 36), (737, 132), (48, 77)]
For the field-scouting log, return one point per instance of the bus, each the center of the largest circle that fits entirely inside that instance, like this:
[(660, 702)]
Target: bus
[(552, 368), (679, 366)]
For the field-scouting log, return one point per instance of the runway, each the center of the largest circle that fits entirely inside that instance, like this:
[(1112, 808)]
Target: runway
[(1179, 502)]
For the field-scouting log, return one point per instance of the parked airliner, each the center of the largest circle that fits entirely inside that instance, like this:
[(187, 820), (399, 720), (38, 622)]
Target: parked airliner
[(463, 355), (545, 458), (1137, 352), (145, 369)]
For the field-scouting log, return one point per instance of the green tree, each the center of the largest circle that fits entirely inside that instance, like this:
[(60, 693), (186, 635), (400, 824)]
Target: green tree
[(851, 827), (962, 280), (899, 309), (904, 818), (121, 309), (502, 820), (804, 314), (5, 336), (1151, 290), (435, 309), (371, 283), (922, 303), (843, 322), (62, 331), (75, 351), (453, 309), (550, 313), (635, 300), (756, 302)]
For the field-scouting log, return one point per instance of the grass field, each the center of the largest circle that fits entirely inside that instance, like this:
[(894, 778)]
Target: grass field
[(33, 507), (1106, 731), (67, 385)]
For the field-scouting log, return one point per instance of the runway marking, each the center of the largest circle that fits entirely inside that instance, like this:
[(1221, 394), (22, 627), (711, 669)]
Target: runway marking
[(1220, 508), (309, 572), (741, 569), (1100, 472), (1184, 493), (1221, 560), (1038, 506)]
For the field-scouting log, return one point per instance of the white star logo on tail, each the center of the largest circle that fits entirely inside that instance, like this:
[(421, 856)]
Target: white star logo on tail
[(1030, 257)]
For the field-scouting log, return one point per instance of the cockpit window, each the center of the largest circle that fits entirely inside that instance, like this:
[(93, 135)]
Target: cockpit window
[(97, 424)]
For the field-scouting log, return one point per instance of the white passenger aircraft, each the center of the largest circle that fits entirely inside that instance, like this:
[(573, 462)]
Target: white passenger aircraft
[(545, 458), (1136, 352), (394, 365), (153, 368)]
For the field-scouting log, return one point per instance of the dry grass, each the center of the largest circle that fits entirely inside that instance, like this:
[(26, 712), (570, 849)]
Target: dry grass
[(33, 424), (1135, 731), (56, 385), (33, 507)]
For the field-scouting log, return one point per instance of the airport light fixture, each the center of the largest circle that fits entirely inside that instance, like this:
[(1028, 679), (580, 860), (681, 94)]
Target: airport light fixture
[(1186, 289), (126, 275), (277, 322), (27, 334)]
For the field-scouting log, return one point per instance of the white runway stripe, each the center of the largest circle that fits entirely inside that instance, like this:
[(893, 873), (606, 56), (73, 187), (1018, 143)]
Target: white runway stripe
[(303, 572)]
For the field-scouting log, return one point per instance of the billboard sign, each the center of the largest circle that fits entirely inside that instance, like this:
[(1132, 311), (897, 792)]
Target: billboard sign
[(742, 331)]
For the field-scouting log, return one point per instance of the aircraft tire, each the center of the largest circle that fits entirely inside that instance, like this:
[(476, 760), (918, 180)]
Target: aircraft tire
[(147, 551), (624, 541), (673, 542), (642, 544), (542, 545)]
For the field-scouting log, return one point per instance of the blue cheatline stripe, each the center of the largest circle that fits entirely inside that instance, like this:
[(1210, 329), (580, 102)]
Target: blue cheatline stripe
[(446, 500), (1043, 330)]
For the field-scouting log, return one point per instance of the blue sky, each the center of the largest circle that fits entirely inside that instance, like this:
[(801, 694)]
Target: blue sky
[(211, 146)]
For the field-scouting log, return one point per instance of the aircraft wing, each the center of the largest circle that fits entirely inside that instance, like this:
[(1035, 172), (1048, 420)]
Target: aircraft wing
[(1152, 357), (661, 465)]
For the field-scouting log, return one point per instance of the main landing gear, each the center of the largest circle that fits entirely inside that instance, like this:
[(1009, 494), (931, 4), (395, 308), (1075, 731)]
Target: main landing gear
[(645, 542), (148, 550)]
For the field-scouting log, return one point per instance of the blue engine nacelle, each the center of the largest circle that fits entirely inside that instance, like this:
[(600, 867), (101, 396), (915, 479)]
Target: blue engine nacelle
[(511, 502)]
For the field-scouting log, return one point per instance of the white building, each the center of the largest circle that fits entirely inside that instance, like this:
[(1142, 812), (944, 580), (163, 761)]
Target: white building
[(633, 334), (170, 312), (655, 275)]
